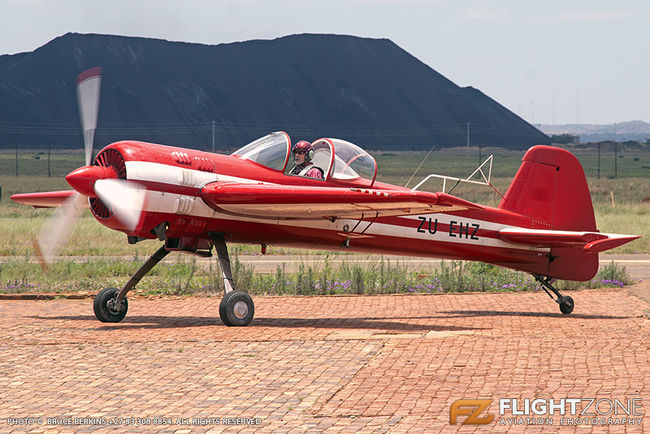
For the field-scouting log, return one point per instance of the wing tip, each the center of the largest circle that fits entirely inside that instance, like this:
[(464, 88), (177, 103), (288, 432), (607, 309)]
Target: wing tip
[(50, 199)]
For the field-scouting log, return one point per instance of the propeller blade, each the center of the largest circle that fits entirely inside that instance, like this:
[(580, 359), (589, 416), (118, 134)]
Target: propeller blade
[(57, 229), (125, 198), (88, 85)]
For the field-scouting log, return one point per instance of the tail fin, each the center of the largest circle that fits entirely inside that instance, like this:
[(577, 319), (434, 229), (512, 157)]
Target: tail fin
[(551, 188)]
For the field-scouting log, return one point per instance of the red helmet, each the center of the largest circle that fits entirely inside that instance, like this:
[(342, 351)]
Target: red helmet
[(303, 146)]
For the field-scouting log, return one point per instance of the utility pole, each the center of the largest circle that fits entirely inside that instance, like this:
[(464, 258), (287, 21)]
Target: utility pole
[(615, 159), (49, 173), (213, 137), (615, 153), (16, 160), (468, 139), (598, 160)]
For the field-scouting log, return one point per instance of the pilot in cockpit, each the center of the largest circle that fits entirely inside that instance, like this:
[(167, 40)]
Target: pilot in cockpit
[(302, 156)]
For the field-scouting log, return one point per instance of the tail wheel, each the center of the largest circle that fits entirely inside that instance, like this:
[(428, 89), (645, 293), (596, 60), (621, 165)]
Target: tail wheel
[(566, 304)]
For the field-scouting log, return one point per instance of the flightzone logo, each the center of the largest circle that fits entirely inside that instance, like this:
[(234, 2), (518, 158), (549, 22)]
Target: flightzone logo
[(561, 412), (472, 409)]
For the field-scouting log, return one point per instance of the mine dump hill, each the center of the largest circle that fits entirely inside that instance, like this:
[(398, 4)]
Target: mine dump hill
[(368, 91)]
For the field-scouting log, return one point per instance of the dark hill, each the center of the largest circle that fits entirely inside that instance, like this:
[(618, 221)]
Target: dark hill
[(368, 91)]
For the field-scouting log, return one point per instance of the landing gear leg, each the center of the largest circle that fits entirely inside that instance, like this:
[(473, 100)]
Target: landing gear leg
[(565, 301), (236, 308), (110, 305)]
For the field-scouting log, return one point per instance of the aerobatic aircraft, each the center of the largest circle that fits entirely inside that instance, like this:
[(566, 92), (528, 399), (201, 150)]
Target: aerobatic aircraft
[(194, 201)]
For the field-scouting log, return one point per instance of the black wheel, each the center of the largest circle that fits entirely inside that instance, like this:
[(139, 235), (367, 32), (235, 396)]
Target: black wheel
[(566, 305), (236, 309), (104, 306)]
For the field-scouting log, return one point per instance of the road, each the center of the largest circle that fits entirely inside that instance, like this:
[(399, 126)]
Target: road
[(386, 363), (637, 265)]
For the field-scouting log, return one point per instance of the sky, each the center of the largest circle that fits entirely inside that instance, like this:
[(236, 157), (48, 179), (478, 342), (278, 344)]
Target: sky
[(550, 62)]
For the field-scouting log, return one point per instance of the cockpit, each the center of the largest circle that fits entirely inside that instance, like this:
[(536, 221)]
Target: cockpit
[(339, 160)]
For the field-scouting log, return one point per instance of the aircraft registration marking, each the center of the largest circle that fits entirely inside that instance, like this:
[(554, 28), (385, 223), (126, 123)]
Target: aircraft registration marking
[(456, 228)]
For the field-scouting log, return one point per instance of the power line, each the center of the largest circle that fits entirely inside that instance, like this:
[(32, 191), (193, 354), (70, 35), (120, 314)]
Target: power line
[(54, 129)]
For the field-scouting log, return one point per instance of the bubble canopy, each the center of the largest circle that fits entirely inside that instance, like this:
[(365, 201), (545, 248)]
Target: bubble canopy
[(270, 151), (340, 160)]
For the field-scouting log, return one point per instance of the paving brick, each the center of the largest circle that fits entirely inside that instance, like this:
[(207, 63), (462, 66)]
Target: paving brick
[(312, 364)]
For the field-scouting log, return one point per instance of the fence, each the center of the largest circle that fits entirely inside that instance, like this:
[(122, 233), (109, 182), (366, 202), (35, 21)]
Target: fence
[(607, 160), (39, 162)]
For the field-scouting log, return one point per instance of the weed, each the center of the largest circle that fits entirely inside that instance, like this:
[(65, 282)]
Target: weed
[(374, 277), (613, 275)]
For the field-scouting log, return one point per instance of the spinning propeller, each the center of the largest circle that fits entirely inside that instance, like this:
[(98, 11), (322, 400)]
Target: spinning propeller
[(124, 198)]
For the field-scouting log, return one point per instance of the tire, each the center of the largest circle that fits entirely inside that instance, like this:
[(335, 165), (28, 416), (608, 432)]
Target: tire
[(236, 309), (566, 305), (103, 312)]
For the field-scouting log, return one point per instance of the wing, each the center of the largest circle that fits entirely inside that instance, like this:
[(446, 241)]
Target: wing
[(48, 199), (589, 241), (298, 202)]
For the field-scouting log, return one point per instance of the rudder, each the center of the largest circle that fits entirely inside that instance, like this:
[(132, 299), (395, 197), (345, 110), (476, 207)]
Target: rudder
[(550, 187)]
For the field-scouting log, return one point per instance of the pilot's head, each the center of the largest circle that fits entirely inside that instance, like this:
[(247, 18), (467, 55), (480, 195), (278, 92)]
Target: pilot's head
[(302, 152)]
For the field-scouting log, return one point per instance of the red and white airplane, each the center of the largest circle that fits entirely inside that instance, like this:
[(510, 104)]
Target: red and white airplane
[(194, 201)]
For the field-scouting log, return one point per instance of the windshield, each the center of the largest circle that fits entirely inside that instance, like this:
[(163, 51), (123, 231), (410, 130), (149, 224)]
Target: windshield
[(352, 162), (271, 151)]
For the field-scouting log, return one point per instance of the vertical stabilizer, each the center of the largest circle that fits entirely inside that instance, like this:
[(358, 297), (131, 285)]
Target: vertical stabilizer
[(550, 187)]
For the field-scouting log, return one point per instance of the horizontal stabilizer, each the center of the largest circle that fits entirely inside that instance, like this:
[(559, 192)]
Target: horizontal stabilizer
[(49, 199), (612, 240), (306, 202), (591, 242)]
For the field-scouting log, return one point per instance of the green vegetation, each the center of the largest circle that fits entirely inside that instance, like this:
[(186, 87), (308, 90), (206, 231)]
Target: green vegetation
[(397, 167), (619, 206), (182, 275), (35, 162), (622, 206)]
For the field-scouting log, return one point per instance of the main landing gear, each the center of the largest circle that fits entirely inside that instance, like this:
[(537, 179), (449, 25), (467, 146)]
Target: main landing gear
[(565, 302), (236, 308)]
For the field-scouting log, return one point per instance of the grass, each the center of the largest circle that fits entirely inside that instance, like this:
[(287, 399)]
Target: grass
[(621, 206), (626, 219), (35, 162), (19, 224), (397, 167), (183, 276)]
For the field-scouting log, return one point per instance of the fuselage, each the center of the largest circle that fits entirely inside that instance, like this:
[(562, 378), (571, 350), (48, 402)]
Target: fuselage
[(174, 178)]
